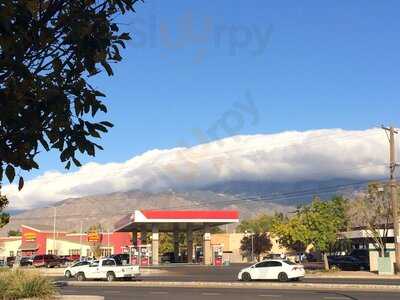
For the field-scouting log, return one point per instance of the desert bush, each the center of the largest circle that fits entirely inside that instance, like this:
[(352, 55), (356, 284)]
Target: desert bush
[(24, 284)]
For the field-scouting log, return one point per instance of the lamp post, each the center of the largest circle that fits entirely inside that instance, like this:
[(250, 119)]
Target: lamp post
[(54, 230), (252, 243), (80, 241)]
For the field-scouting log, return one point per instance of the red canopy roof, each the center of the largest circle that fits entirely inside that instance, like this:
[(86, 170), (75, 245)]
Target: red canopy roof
[(190, 214)]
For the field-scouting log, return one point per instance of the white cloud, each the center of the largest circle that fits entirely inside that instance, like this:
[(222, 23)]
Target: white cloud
[(287, 156)]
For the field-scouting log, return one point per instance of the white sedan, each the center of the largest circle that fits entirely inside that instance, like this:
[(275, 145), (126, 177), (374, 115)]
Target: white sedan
[(272, 269), (75, 268)]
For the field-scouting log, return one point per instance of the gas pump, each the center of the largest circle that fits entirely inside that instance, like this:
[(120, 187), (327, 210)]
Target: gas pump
[(145, 255), (133, 254), (139, 255), (217, 256)]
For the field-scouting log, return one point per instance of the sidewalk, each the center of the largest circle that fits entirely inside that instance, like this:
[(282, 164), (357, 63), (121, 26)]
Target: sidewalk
[(351, 274), (240, 285), (58, 272)]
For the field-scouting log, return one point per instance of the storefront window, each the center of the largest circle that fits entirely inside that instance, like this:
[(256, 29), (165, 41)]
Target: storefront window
[(106, 252), (74, 252), (11, 253)]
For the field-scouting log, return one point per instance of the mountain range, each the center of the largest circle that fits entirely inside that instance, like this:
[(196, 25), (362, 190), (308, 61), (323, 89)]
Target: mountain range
[(249, 198)]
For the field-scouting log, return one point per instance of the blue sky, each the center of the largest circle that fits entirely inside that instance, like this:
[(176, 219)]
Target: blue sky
[(324, 64)]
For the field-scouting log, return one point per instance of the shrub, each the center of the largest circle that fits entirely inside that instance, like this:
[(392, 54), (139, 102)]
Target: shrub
[(24, 284)]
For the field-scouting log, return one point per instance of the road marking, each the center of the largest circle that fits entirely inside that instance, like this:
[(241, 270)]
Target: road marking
[(272, 296), (211, 294), (336, 298), (159, 293)]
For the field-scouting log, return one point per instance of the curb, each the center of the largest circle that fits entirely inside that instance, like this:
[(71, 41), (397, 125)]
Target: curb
[(375, 277), (78, 297), (239, 285)]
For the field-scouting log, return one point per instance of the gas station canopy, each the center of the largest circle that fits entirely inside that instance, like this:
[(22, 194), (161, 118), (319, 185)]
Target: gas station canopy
[(173, 220)]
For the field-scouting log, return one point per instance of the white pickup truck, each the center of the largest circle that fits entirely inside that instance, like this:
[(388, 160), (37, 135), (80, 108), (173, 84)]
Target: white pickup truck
[(107, 269)]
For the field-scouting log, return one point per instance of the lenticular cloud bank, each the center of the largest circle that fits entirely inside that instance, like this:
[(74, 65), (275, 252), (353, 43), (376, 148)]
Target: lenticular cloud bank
[(284, 157)]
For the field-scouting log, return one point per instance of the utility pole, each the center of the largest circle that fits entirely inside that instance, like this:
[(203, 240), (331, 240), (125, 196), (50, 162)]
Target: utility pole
[(393, 194), (80, 242), (252, 247), (54, 230)]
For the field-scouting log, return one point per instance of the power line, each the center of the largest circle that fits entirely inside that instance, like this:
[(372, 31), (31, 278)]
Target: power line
[(280, 197)]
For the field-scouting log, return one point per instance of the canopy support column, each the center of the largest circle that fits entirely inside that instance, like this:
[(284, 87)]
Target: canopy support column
[(189, 237), (207, 245), (176, 245), (154, 244)]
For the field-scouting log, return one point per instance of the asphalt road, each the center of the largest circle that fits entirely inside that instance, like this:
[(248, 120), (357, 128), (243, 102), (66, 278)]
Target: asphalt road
[(227, 278), (229, 274), (119, 293)]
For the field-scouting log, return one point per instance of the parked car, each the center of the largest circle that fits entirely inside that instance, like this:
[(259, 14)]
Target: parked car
[(108, 269), (121, 259), (48, 261), (282, 270), (168, 257), (75, 268), (272, 256), (361, 254), (347, 263), (3, 263), (10, 261), (26, 261)]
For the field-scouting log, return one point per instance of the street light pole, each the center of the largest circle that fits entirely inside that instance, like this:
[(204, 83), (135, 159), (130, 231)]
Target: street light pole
[(80, 242), (252, 243), (252, 247), (54, 230), (393, 194)]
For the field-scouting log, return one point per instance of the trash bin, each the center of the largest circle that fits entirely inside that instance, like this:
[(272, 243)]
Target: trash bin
[(385, 266)]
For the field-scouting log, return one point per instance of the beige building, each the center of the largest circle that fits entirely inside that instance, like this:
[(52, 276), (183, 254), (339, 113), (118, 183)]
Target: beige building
[(9, 246), (231, 242)]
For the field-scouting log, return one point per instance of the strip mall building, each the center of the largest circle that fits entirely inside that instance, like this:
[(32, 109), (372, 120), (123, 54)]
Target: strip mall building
[(38, 240), (130, 235)]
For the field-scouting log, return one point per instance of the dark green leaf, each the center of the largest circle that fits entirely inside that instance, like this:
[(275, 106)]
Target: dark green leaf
[(20, 183), (107, 67), (125, 36), (77, 162), (44, 143), (108, 124), (10, 173)]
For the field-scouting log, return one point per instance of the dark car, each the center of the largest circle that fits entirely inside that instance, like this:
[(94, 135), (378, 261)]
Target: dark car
[(121, 259), (361, 254), (347, 263), (26, 261), (168, 257), (48, 261), (10, 261)]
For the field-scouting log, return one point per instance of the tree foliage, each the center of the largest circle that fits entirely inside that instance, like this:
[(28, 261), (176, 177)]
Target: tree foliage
[(4, 217), (372, 211), (259, 224), (48, 49), (14, 233), (166, 239), (317, 224), (256, 244)]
